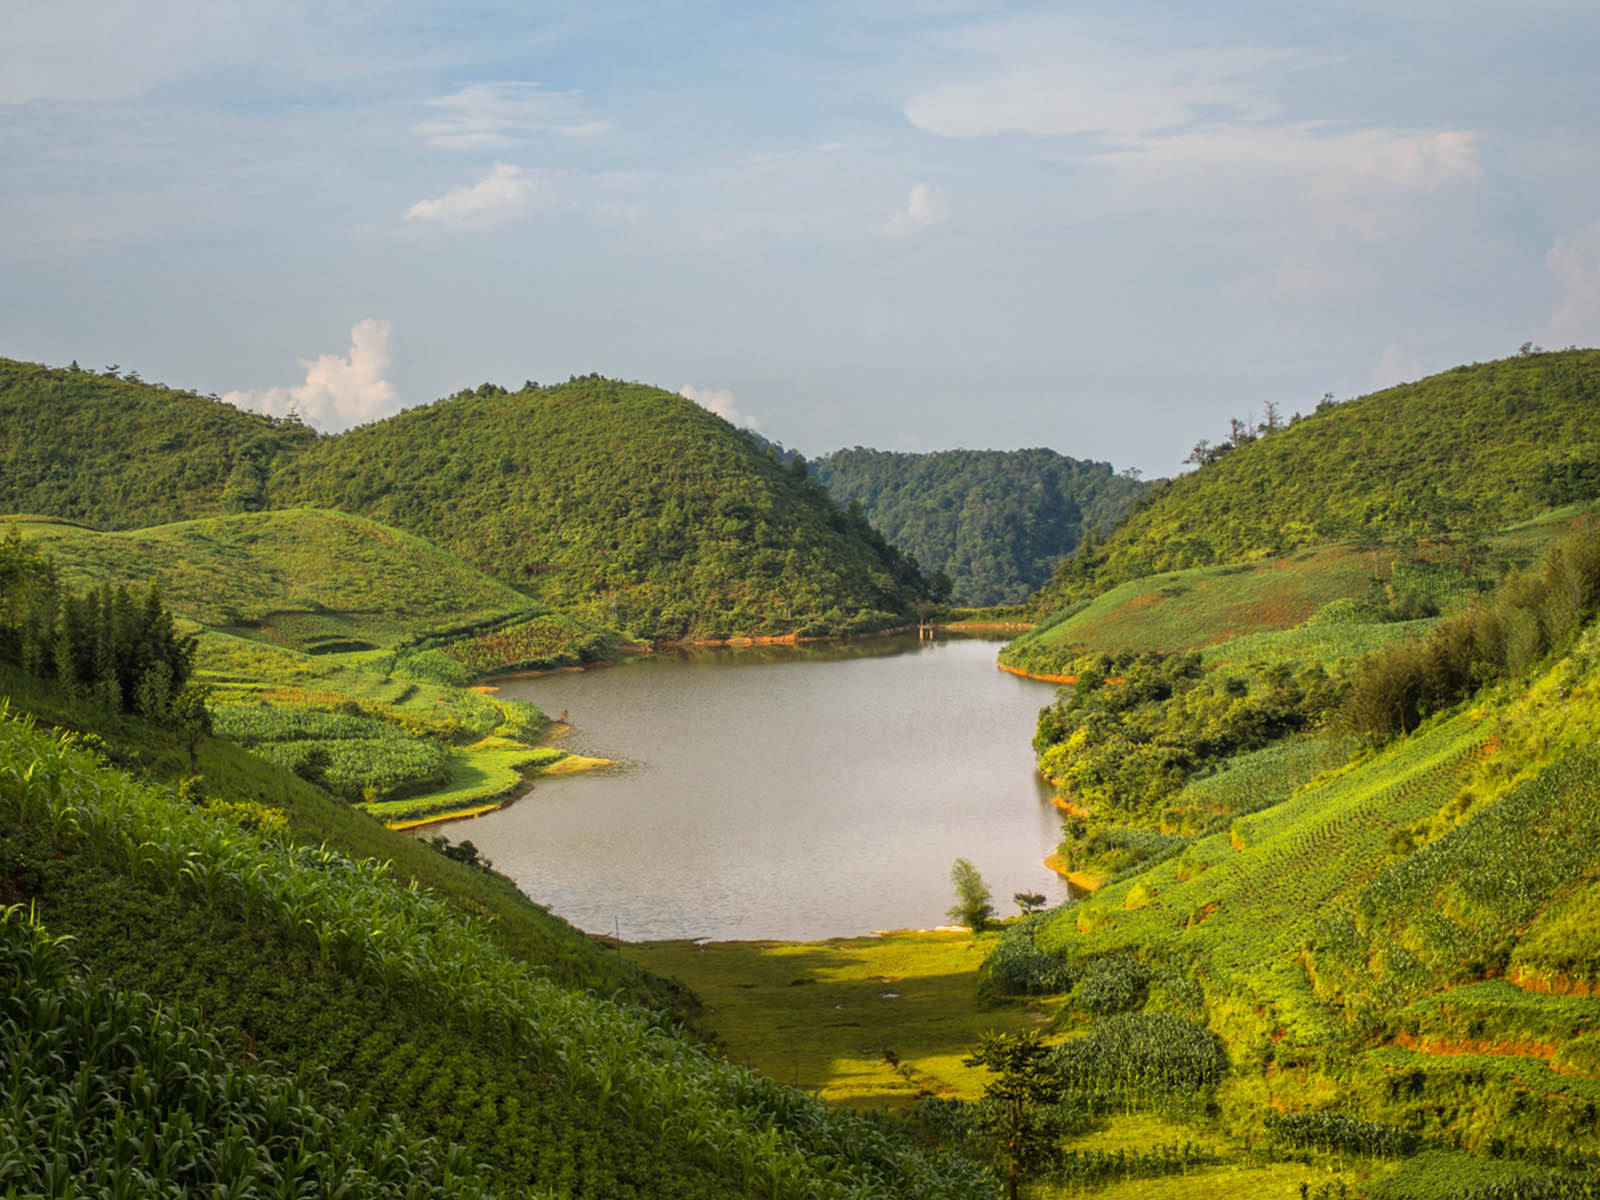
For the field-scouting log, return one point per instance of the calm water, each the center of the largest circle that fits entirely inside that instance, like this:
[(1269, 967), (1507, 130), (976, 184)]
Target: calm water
[(782, 793)]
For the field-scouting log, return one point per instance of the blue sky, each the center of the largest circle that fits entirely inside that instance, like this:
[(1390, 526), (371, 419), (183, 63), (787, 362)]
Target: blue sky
[(1100, 228)]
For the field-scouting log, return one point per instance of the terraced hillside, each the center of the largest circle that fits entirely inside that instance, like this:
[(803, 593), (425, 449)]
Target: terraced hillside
[(343, 649)]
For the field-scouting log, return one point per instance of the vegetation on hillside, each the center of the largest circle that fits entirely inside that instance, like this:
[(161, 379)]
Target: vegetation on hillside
[(995, 522), (1463, 452), (548, 1088), (117, 453), (624, 504)]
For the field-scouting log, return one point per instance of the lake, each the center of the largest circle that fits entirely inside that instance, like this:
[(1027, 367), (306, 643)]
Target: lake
[(782, 792)]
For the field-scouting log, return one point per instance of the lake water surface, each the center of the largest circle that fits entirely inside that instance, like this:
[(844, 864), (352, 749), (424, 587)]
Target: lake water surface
[(782, 792)]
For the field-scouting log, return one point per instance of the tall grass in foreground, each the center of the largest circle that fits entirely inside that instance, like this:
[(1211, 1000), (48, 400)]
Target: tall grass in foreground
[(775, 1142), (106, 1094)]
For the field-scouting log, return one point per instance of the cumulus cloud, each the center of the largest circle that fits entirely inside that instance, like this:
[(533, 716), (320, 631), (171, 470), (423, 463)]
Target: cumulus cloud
[(924, 209), (338, 391), (1575, 262), (495, 115), (500, 195), (719, 402)]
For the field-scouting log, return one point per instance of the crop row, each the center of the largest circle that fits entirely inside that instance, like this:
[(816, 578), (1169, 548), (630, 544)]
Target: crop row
[(106, 1094), (776, 1142)]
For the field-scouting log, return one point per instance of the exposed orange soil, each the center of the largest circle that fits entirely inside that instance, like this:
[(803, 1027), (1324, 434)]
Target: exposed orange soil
[(1551, 983), (1062, 679), (1068, 807), (1439, 1048)]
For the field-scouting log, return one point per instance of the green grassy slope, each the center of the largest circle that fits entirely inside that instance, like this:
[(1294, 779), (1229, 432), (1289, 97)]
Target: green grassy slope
[(117, 453), (996, 522), (1466, 451), (307, 579), (620, 501), (342, 649), (384, 996), (1407, 937)]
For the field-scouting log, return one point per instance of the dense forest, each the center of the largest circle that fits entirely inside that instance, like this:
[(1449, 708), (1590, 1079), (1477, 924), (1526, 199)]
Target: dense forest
[(618, 502), (1463, 452), (996, 523), (117, 453)]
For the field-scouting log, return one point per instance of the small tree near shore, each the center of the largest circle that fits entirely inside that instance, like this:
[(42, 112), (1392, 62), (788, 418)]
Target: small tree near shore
[(972, 907)]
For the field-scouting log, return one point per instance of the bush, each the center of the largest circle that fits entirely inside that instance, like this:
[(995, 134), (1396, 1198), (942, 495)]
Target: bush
[(1113, 984), (1016, 967)]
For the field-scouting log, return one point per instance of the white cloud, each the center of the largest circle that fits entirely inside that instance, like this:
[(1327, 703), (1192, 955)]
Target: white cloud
[(338, 392), (500, 195), (924, 209), (719, 402), (1060, 84), (496, 115), (1575, 262)]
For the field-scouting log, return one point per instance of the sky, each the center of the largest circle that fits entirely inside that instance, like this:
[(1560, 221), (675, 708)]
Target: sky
[(1102, 228)]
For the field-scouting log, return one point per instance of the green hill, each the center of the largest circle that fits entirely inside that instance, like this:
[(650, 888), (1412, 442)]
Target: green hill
[(116, 453), (1463, 452), (307, 579), (623, 503), (995, 522), (446, 1039), (619, 501)]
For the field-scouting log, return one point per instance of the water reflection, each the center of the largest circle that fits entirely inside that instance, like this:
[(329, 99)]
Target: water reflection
[(825, 793)]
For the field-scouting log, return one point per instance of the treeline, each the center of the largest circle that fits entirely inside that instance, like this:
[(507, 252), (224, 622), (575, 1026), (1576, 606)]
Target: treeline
[(1396, 688), (102, 644), (994, 522), (1134, 728)]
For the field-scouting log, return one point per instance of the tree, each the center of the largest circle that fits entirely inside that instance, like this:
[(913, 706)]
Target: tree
[(972, 907), (1016, 1113), (1028, 901)]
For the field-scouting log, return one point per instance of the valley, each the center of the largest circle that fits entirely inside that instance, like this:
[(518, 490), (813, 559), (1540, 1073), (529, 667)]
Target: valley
[(1316, 721)]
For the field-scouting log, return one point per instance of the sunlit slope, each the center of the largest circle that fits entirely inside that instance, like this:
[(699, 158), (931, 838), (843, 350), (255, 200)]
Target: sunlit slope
[(619, 502), (303, 578), (1421, 910), (118, 453), (1469, 450), (1323, 603), (324, 964)]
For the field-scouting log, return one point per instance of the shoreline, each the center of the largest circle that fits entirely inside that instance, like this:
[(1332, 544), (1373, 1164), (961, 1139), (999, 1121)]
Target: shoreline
[(570, 764)]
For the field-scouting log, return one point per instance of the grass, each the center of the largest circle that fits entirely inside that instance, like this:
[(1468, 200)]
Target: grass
[(822, 1015), (307, 615), (1229, 1181), (1203, 606), (302, 578)]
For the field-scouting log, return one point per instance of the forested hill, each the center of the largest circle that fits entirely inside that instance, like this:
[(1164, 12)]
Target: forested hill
[(996, 522), (1462, 452), (117, 453), (624, 502)]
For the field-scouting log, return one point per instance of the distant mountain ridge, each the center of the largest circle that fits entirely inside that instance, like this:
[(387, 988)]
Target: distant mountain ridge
[(995, 522)]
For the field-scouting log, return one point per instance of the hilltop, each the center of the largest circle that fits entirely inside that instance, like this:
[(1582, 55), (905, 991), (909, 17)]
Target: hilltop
[(1460, 453), (623, 502), (118, 453), (995, 522), (619, 502)]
